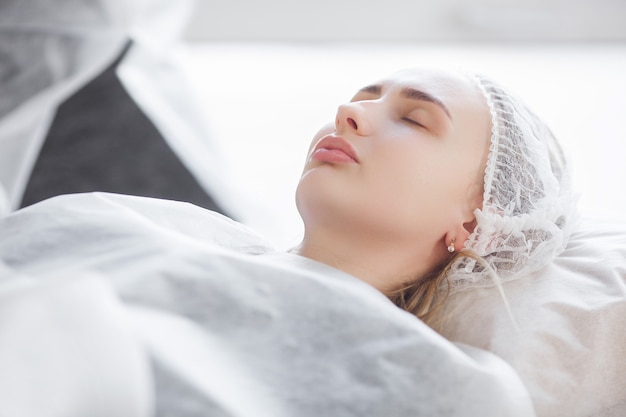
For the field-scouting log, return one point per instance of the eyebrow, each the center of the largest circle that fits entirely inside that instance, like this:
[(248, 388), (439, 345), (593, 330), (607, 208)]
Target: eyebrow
[(411, 94)]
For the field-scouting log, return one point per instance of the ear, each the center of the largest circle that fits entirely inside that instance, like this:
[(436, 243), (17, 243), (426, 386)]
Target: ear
[(459, 233)]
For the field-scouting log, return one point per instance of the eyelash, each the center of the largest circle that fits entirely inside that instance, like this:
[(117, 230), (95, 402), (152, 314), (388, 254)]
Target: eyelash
[(413, 122)]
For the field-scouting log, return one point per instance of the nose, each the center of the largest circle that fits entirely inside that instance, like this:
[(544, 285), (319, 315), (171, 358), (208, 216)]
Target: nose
[(352, 117)]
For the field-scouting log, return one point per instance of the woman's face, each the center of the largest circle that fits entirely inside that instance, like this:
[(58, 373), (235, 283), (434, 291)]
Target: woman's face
[(403, 161)]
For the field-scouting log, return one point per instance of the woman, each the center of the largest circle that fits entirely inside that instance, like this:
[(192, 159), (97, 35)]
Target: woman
[(428, 175)]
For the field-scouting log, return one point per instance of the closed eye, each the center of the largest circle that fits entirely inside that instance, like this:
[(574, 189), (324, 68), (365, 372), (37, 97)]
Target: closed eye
[(413, 122)]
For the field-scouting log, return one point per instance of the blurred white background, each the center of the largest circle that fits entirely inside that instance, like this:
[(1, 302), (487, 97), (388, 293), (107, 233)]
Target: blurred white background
[(268, 74), (409, 20)]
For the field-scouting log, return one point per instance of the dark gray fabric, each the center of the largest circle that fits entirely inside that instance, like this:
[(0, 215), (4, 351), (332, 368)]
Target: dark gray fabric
[(100, 140)]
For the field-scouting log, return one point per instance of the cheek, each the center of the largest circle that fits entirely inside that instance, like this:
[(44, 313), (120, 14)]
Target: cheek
[(416, 183), (404, 172), (403, 187)]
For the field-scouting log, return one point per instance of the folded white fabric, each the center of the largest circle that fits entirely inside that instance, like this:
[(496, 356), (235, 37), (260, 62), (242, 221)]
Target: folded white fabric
[(570, 349), (235, 329), (67, 350)]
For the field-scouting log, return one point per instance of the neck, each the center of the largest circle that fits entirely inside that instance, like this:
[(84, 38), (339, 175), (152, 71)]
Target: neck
[(383, 263)]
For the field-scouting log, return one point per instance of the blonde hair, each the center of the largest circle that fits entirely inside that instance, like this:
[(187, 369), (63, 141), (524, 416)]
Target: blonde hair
[(426, 297)]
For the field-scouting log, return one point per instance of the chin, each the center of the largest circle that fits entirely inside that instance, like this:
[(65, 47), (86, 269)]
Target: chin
[(320, 198)]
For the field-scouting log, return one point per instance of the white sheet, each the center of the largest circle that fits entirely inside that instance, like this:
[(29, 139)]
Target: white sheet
[(66, 350), (235, 329), (570, 349)]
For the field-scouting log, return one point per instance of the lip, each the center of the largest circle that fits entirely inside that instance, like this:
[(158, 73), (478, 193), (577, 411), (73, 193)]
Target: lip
[(333, 148)]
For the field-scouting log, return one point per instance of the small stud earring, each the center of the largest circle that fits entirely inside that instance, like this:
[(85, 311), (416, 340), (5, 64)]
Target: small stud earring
[(451, 247)]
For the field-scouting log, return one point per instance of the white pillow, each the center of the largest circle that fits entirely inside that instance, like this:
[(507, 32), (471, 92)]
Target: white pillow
[(570, 349)]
